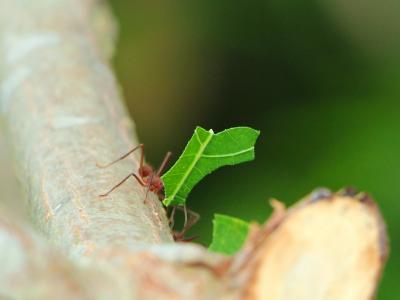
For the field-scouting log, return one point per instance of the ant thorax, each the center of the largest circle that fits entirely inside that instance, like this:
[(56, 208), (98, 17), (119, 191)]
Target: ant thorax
[(145, 171)]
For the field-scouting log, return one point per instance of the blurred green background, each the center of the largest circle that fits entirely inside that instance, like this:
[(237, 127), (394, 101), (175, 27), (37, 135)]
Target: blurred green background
[(320, 79)]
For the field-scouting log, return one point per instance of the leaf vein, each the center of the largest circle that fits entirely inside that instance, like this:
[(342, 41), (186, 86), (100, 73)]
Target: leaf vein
[(192, 165), (229, 154)]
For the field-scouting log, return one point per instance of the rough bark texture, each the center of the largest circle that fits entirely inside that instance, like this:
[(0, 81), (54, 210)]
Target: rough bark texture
[(62, 105), (63, 112)]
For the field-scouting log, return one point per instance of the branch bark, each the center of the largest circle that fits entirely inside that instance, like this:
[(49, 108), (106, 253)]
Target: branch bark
[(33, 269), (64, 112), (61, 103)]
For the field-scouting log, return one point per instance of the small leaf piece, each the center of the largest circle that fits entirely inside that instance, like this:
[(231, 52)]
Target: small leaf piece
[(229, 234), (205, 153)]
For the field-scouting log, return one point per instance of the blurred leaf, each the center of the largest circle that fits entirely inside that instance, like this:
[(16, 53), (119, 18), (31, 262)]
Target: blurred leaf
[(205, 153), (229, 234)]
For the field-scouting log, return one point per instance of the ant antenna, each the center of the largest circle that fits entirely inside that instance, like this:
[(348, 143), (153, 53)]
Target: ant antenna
[(164, 163)]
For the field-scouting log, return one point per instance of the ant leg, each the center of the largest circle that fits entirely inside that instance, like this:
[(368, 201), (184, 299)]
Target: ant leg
[(148, 187), (141, 162), (122, 181), (189, 222), (193, 219), (164, 163), (185, 213), (179, 236), (171, 219), (141, 146)]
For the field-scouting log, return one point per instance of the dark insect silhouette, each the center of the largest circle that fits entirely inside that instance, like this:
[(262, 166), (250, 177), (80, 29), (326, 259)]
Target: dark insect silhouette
[(150, 179)]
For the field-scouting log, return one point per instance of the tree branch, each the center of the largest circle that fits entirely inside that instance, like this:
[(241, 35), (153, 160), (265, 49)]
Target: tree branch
[(328, 246), (64, 114), (31, 269)]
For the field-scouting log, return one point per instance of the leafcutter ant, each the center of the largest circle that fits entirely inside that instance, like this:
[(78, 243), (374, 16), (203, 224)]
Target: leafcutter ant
[(150, 179)]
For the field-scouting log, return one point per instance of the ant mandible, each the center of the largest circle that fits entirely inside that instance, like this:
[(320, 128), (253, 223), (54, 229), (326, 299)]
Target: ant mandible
[(152, 180)]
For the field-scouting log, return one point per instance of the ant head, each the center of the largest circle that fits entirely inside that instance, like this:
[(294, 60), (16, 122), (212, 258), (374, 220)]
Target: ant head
[(156, 184), (145, 171)]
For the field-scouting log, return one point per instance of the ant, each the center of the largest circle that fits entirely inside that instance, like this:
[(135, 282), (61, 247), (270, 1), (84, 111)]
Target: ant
[(152, 181)]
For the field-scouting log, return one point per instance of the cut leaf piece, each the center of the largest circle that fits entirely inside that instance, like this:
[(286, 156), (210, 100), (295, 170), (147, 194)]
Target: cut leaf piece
[(229, 234), (205, 153)]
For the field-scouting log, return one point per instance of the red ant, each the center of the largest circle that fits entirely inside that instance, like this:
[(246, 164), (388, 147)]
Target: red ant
[(152, 180)]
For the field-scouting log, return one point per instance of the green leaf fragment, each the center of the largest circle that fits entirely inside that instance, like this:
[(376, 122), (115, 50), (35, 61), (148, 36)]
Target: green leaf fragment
[(229, 234), (206, 152)]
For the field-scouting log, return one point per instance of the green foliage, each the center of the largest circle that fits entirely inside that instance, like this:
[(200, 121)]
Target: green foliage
[(325, 95), (206, 152), (229, 234)]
